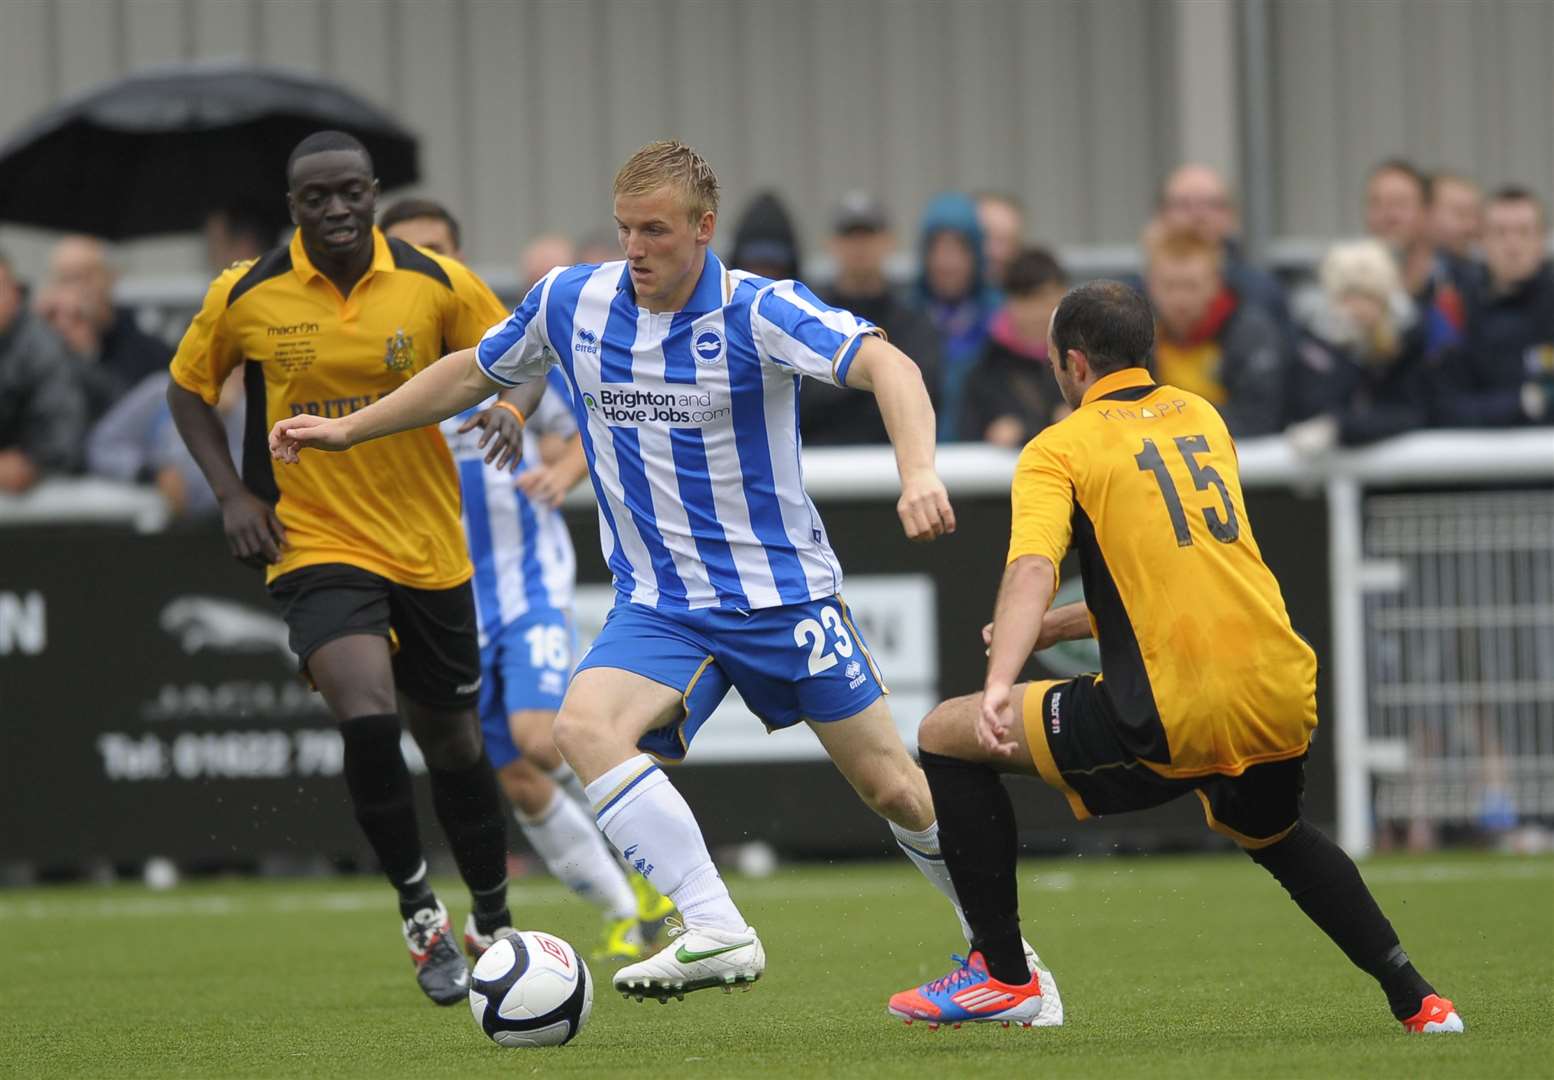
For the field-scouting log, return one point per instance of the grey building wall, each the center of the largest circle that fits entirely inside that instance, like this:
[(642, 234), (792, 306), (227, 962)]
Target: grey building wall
[(1463, 85), (526, 107)]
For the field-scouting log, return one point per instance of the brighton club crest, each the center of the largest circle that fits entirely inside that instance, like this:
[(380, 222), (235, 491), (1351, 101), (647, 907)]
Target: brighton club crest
[(400, 352)]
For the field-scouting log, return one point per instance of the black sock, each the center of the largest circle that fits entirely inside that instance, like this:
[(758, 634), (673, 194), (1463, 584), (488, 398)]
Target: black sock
[(1327, 885), (469, 806), (978, 840), (379, 783)]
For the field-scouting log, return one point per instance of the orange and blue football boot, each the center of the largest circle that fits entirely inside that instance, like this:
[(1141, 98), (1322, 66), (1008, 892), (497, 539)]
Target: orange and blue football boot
[(970, 995)]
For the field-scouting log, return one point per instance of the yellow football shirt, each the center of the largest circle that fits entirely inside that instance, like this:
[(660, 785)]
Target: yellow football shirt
[(390, 506), (1198, 658)]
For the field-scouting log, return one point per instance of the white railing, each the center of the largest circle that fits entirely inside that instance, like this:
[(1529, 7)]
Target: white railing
[(1368, 743)]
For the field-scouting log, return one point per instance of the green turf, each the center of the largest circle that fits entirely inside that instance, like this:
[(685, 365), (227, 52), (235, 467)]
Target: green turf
[(1168, 965)]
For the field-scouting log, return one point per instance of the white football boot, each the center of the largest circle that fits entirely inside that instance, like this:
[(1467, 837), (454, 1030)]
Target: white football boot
[(1051, 1002), (695, 959)]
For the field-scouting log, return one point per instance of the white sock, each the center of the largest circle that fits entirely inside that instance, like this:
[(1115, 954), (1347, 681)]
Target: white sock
[(923, 849), (574, 851), (568, 782), (652, 827)]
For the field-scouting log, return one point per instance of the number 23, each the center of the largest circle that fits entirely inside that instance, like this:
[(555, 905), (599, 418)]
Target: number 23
[(810, 633)]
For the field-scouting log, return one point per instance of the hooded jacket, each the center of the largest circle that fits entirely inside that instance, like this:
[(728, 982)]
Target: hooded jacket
[(962, 322), (765, 237)]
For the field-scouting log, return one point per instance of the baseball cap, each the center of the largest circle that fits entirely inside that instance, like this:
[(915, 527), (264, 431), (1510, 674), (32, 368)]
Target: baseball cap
[(859, 210)]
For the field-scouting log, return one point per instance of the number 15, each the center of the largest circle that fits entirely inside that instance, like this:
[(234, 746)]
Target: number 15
[(1224, 529)]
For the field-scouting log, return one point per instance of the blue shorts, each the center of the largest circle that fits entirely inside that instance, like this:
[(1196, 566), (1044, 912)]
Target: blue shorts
[(796, 662), (524, 665)]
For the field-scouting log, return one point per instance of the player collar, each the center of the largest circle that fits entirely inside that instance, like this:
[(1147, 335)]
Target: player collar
[(712, 291), (302, 266), (1117, 380)]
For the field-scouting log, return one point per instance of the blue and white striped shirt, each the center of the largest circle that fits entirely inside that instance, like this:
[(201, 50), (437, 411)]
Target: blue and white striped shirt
[(690, 425), (522, 553)]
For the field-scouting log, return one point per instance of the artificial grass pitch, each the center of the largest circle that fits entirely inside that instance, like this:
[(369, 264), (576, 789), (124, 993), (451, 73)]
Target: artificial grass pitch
[(1168, 965)]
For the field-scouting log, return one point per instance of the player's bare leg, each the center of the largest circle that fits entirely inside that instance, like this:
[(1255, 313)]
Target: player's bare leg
[(605, 713), (356, 679)]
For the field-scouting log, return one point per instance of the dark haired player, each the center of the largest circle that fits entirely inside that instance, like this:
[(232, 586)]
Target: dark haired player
[(364, 554), (1205, 688)]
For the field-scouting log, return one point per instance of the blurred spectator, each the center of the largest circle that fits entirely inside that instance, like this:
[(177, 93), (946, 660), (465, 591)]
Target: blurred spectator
[(1357, 373), (1209, 341), (42, 405), (765, 241), (543, 254), (1456, 215), (1197, 198), (953, 289), (1003, 233), (861, 242), (598, 246), (77, 300), (1456, 225), (137, 443), (1397, 200), (237, 234), (1011, 394), (424, 223), (1504, 372)]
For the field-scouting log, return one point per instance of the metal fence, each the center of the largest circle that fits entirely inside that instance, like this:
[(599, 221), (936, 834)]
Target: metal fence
[(1461, 656)]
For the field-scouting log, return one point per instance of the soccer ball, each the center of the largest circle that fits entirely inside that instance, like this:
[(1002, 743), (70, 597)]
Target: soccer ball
[(531, 989)]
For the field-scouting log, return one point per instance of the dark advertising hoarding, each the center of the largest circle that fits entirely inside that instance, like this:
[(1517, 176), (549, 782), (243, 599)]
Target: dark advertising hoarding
[(149, 705)]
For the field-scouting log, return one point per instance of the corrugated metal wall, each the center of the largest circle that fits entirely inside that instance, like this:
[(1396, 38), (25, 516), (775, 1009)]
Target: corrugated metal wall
[(526, 107), (1464, 85)]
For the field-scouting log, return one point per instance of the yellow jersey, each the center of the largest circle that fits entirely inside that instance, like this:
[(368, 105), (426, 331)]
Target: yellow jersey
[(1199, 662), (390, 506)]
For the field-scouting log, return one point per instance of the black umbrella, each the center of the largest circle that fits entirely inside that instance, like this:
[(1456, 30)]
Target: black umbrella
[(158, 151)]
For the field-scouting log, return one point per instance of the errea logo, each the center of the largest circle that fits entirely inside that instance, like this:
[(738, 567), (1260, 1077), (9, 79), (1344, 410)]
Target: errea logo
[(587, 342), (854, 674), (707, 346)]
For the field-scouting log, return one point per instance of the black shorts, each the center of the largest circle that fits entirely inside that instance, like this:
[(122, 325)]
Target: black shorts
[(436, 650), (1073, 738)]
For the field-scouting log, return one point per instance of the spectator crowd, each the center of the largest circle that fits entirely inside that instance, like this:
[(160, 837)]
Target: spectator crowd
[(1442, 315)]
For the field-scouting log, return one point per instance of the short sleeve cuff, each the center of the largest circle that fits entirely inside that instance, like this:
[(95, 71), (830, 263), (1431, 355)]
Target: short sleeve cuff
[(489, 365), (849, 350)]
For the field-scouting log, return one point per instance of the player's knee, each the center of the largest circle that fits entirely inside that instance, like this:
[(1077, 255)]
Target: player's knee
[(450, 746), (527, 789), (572, 732), (900, 796), (534, 734), (941, 731)]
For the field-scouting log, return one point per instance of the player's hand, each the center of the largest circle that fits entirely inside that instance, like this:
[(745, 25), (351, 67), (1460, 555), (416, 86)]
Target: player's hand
[(924, 506), (994, 721), (501, 430), (987, 639), (543, 485), (290, 436), (254, 534)]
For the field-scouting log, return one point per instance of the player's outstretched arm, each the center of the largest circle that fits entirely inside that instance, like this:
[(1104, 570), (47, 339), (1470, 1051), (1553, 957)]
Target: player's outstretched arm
[(1023, 599), (451, 385), (897, 384)]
